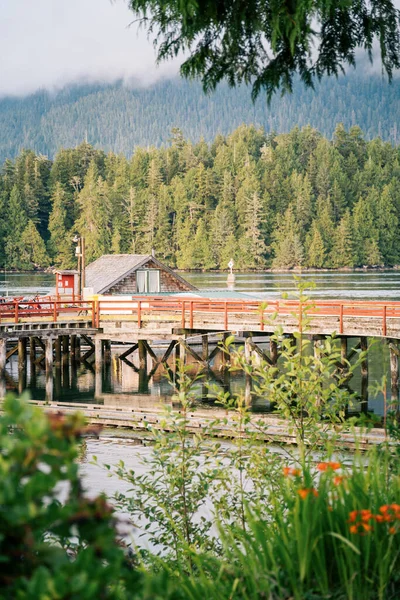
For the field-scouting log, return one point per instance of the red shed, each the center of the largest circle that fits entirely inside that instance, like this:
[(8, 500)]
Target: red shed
[(66, 283)]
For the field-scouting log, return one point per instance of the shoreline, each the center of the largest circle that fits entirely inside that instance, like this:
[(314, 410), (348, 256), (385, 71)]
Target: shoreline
[(294, 271)]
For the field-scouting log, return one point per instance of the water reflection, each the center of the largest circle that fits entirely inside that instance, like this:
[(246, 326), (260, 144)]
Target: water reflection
[(121, 383)]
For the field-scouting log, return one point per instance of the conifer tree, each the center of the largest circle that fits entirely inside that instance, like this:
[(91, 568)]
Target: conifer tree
[(16, 222), (33, 249), (60, 244)]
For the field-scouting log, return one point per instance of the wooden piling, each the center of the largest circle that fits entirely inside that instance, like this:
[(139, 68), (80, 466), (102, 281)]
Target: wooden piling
[(73, 347), (32, 349), (22, 353), (57, 347), (65, 349), (204, 343), (142, 355)]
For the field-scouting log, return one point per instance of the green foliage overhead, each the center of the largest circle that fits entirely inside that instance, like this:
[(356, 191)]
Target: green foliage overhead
[(265, 43)]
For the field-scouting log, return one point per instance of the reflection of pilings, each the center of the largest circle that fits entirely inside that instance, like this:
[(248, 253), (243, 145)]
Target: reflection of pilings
[(364, 375), (32, 349), (98, 384), (73, 348), (143, 382), (57, 382), (248, 382), (49, 368), (394, 375), (343, 351), (3, 358)]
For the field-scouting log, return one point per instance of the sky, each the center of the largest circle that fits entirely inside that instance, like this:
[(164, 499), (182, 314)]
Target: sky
[(48, 43)]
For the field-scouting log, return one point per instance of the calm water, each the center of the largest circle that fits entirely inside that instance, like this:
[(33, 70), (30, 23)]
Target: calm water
[(78, 385), (368, 285)]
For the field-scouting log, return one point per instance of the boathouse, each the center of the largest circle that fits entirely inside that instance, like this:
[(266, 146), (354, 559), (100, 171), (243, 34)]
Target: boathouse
[(116, 274)]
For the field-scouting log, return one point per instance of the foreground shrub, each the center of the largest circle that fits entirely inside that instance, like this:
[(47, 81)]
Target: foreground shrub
[(50, 549)]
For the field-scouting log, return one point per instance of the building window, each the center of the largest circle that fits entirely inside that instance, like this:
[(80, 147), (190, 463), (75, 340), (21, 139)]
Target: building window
[(148, 282)]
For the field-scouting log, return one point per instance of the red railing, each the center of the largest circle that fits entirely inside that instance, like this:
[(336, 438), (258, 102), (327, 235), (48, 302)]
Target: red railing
[(193, 312), (187, 309), (20, 310)]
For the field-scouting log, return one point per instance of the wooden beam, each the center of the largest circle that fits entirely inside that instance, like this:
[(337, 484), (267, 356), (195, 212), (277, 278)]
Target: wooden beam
[(260, 353), (128, 352), (168, 351), (87, 340), (192, 352)]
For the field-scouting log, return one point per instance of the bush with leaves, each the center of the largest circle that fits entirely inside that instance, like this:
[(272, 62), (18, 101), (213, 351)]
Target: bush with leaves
[(48, 548)]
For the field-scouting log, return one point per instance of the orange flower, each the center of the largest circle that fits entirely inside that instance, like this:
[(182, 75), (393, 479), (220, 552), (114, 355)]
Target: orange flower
[(360, 528), (338, 479), (353, 528), (360, 515), (303, 492), (392, 530), (324, 466), (390, 512), (291, 471)]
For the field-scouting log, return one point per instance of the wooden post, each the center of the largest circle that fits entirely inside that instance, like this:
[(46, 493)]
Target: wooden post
[(394, 375), (78, 349), (364, 375), (73, 348), (22, 353), (57, 381), (142, 355), (32, 349), (65, 349), (107, 351), (49, 369), (204, 341), (57, 344)]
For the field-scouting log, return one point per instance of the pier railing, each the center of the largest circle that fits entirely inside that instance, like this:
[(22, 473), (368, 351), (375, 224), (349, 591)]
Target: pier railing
[(190, 313), (260, 314)]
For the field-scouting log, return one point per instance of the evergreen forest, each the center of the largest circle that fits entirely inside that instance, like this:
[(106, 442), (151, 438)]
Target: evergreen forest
[(266, 200), (120, 117)]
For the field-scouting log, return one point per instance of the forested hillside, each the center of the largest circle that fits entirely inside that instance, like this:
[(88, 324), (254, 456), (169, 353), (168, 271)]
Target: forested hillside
[(262, 199), (120, 118)]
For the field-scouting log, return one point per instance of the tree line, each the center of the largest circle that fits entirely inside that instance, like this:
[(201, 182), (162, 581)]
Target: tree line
[(263, 199)]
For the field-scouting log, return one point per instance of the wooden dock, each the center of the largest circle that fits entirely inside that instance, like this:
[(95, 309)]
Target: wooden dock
[(55, 330)]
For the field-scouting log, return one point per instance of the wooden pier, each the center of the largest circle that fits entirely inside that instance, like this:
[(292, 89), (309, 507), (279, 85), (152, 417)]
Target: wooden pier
[(54, 332)]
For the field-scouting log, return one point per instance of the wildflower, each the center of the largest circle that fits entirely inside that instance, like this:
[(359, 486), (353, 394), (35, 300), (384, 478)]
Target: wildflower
[(303, 492), (363, 515), (390, 512), (325, 466), (392, 530), (338, 479), (291, 471)]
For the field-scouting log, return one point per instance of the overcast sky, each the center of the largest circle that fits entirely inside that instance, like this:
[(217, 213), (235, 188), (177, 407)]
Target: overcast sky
[(47, 43)]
